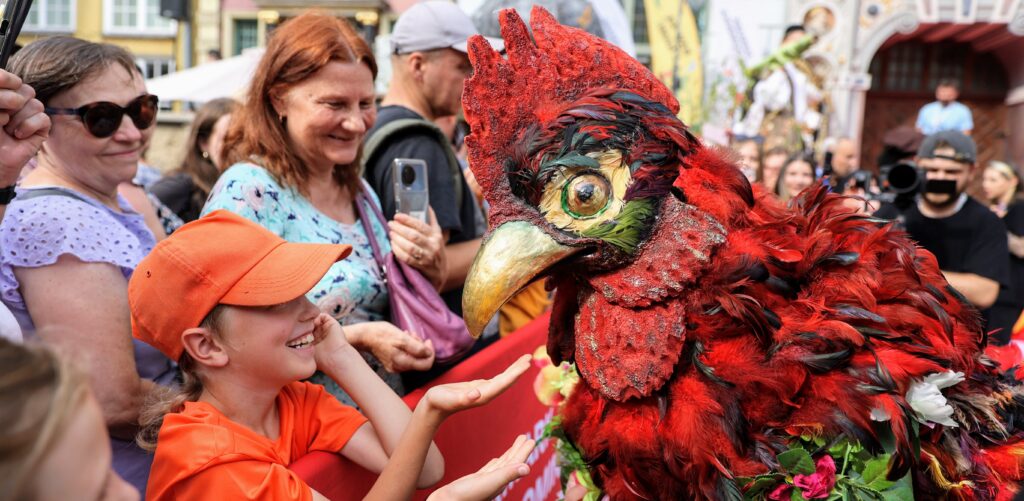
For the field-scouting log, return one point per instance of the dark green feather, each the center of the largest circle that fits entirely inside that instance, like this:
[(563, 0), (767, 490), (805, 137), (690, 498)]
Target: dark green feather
[(627, 229)]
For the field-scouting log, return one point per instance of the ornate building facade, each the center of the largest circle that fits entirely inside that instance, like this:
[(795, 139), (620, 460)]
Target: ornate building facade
[(883, 58)]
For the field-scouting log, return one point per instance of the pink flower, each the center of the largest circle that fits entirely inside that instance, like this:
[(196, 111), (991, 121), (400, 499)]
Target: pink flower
[(818, 485), (781, 493)]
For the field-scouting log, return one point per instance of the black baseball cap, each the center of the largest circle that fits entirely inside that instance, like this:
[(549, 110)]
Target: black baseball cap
[(965, 150)]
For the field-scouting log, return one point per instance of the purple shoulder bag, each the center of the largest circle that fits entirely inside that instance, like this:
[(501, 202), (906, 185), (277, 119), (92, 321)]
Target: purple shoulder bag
[(415, 304)]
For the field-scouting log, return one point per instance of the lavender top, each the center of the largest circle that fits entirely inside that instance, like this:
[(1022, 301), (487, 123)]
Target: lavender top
[(37, 231)]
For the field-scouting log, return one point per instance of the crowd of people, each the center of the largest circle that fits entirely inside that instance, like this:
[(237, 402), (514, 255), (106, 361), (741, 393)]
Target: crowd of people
[(928, 181), (143, 354)]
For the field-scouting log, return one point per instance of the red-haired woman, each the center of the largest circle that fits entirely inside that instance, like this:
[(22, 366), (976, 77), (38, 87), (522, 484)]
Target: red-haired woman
[(295, 148)]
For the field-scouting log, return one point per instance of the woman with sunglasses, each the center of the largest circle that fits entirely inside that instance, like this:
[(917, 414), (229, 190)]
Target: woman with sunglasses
[(70, 242)]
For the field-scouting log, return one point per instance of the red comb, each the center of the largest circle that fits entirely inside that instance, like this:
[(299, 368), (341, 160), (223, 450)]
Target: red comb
[(539, 79)]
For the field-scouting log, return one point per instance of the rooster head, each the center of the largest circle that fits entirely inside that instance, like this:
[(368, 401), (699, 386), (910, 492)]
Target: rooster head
[(580, 155)]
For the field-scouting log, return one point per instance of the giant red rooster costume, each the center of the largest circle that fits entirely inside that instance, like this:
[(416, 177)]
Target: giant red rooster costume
[(713, 327)]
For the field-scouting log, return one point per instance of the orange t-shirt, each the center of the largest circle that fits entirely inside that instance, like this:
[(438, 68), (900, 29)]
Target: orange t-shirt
[(201, 454)]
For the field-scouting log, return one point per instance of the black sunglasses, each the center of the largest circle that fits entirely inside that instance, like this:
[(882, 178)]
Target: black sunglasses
[(102, 119)]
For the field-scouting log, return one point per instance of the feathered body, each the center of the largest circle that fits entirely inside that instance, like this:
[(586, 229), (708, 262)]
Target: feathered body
[(711, 324)]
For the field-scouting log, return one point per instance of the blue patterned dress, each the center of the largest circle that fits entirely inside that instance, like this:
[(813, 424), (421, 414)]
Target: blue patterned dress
[(353, 290)]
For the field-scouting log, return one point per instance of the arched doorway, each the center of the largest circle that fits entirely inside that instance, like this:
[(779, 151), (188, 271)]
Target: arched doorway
[(907, 67)]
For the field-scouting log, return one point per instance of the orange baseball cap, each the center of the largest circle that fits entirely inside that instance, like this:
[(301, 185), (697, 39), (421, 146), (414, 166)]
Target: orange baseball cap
[(222, 258)]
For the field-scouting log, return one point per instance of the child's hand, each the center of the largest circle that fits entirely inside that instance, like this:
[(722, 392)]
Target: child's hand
[(492, 478), (454, 397), (329, 340)]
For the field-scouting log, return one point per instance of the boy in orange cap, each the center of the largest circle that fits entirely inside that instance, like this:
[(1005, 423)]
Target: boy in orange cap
[(225, 298)]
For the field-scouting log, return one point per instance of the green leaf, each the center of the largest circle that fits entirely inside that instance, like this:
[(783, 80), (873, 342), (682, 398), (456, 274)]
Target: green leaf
[(796, 461), (797, 495), (916, 441), (885, 436), (844, 491), (866, 493), (902, 490), (875, 471), (760, 484)]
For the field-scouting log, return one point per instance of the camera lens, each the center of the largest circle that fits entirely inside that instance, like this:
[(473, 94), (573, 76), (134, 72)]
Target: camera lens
[(904, 178), (408, 175)]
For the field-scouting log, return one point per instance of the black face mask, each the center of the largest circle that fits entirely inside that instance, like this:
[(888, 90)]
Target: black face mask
[(942, 187)]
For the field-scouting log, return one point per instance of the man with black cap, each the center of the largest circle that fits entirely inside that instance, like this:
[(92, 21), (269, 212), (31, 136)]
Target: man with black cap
[(967, 239), (429, 64)]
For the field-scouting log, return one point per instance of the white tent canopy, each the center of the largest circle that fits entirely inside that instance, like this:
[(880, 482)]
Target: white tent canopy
[(225, 78)]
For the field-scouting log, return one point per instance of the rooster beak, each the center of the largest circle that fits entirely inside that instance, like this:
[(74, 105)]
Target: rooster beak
[(509, 259)]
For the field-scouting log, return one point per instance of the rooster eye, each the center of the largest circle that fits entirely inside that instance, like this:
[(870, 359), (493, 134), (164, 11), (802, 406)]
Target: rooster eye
[(586, 195)]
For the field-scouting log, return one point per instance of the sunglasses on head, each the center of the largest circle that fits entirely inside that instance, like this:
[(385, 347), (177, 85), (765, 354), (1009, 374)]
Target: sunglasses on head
[(102, 119)]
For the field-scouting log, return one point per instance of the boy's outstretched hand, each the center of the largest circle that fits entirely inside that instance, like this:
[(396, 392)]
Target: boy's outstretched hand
[(450, 398), (492, 478)]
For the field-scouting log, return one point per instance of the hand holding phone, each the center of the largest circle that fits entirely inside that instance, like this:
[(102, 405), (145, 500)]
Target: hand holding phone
[(410, 178)]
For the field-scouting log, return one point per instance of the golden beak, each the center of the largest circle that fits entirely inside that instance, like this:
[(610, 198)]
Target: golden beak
[(509, 259)]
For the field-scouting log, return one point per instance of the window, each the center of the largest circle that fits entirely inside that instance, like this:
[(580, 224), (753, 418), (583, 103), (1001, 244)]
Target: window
[(136, 17), (153, 67), (914, 67), (51, 16), (640, 23), (246, 35)]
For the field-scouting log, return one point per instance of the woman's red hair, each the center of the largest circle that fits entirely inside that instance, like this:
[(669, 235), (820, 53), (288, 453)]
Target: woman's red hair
[(298, 48)]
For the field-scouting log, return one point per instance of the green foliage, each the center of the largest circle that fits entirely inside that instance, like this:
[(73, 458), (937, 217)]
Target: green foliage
[(860, 475), (627, 229), (570, 460), (796, 461)]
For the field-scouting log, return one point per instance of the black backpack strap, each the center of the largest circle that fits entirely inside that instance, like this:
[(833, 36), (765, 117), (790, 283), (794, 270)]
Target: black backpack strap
[(395, 128)]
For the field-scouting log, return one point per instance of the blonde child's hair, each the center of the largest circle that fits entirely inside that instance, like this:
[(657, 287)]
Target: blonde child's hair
[(41, 395), (165, 400)]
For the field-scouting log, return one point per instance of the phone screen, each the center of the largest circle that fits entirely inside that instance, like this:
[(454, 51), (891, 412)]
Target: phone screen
[(410, 177)]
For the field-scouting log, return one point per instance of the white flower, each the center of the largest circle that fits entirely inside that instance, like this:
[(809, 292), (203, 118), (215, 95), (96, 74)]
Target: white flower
[(927, 401)]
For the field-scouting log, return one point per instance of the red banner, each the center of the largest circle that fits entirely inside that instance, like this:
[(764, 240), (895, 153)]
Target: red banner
[(468, 439)]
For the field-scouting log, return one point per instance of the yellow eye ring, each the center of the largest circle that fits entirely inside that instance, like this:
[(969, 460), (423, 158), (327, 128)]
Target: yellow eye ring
[(586, 195)]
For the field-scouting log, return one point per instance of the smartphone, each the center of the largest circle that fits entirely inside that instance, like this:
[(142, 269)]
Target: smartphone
[(411, 197)]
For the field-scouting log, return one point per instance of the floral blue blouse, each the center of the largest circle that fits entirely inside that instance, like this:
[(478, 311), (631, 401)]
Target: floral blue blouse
[(353, 290)]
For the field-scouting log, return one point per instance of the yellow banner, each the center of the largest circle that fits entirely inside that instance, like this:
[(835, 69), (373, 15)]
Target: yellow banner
[(675, 54)]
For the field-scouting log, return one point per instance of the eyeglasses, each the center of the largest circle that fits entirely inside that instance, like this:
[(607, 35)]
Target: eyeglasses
[(102, 119)]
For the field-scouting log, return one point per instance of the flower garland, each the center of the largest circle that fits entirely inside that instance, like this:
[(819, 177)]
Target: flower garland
[(843, 471), (810, 469)]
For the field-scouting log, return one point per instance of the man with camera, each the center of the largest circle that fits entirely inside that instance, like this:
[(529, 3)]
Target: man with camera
[(967, 239)]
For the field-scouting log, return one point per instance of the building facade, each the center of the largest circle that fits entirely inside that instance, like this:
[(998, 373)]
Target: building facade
[(246, 23), (133, 24), (884, 65)]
